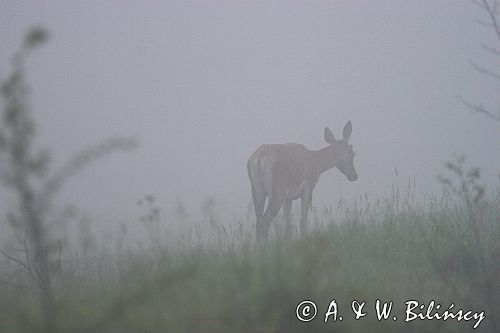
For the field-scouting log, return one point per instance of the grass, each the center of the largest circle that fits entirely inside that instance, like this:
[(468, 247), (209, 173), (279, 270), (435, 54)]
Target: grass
[(393, 251)]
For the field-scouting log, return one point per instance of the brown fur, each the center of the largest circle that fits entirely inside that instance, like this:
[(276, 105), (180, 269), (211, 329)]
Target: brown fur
[(285, 172)]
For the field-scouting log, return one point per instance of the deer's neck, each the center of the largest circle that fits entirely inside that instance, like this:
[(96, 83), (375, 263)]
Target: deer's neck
[(324, 159)]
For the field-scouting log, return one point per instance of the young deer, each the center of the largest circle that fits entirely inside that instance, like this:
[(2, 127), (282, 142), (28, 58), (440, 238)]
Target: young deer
[(285, 172)]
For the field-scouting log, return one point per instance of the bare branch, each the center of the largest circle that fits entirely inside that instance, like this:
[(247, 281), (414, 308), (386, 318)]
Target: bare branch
[(483, 23), (479, 3), (491, 50), (480, 109), (33, 273), (484, 70), (17, 261), (17, 286), (37, 275), (492, 9), (83, 159)]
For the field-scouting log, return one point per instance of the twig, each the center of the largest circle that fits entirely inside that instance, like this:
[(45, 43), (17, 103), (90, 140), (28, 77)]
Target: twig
[(479, 109), (15, 285), (484, 70), (492, 12), (491, 50), (24, 265), (30, 262)]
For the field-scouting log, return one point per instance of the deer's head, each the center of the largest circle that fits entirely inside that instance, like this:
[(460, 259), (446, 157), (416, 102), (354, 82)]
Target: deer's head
[(341, 153)]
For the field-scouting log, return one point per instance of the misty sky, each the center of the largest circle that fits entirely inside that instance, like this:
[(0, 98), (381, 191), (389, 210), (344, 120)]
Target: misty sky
[(203, 84)]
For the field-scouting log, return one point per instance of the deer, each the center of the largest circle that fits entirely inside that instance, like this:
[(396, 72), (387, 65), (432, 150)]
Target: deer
[(282, 173)]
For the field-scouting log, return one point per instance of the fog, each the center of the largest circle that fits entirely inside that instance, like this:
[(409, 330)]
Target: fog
[(203, 84)]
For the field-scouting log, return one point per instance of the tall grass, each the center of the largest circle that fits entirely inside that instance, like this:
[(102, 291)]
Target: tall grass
[(393, 250), (215, 278)]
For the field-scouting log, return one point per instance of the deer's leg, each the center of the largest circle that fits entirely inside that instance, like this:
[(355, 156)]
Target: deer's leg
[(259, 199), (287, 208), (259, 202), (272, 210), (305, 204)]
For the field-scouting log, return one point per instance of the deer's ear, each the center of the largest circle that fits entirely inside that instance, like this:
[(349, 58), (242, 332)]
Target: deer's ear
[(329, 136), (347, 130)]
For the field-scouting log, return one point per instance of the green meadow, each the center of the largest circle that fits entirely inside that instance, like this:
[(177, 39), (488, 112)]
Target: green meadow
[(398, 264), (446, 250)]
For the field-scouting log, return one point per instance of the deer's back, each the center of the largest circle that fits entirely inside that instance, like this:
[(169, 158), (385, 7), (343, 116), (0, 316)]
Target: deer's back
[(288, 167)]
